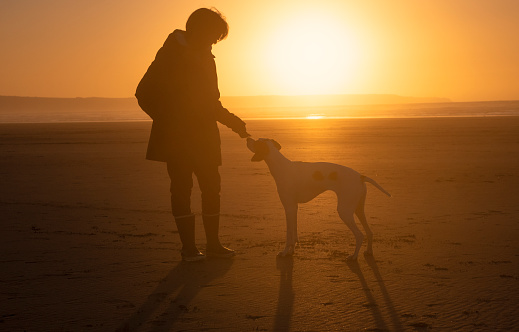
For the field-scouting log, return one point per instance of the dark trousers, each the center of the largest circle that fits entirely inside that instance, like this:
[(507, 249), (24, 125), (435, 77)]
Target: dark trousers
[(181, 175)]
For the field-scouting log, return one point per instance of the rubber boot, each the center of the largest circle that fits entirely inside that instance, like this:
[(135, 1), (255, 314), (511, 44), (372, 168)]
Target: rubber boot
[(214, 247), (186, 230)]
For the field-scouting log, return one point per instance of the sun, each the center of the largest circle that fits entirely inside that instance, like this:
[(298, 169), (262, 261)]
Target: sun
[(313, 53)]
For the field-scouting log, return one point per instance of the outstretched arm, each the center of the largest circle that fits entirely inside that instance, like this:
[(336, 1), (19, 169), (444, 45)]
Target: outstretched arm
[(230, 120)]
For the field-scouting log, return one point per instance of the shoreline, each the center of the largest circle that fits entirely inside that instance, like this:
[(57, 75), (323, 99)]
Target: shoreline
[(113, 113)]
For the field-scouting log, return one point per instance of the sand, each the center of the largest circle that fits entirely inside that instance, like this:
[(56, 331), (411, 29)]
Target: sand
[(88, 243)]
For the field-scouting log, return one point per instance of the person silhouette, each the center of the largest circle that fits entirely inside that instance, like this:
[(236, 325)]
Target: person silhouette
[(179, 91)]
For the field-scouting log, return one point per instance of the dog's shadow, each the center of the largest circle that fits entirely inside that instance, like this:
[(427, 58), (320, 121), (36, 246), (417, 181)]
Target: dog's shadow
[(187, 279), (370, 298), (286, 295)]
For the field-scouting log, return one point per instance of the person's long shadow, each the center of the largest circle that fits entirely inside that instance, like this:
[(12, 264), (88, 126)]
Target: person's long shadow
[(286, 295), (371, 301), (186, 279)]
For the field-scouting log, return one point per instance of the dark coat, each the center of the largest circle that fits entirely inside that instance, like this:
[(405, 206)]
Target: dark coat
[(180, 93)]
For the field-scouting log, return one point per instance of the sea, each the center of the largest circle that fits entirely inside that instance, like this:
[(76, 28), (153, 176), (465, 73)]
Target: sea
[(104, 113)]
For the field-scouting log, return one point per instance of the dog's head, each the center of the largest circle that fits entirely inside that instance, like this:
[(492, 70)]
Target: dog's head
[(261, 147)]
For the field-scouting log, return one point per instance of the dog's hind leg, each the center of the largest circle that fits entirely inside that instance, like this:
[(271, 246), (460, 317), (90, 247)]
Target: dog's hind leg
[(346, 214), (359, 212)]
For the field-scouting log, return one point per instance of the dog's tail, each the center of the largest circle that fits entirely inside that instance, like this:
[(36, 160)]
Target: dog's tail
[(364, 178)]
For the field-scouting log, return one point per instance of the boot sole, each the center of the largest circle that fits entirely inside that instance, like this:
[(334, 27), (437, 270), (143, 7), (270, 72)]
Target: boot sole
[(193, 259)]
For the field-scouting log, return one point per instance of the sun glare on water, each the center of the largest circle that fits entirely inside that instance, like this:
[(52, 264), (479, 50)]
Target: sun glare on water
[(313, 53), (315, 117)]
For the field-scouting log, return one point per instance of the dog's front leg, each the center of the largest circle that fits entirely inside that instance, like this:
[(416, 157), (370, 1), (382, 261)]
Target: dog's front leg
[(291, 219)]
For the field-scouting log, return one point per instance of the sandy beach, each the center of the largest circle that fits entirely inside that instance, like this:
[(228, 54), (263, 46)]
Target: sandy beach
[(88, 242)]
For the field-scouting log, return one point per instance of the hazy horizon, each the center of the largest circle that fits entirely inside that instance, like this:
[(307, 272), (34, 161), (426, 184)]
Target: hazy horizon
[(227, 97), (47, 110)]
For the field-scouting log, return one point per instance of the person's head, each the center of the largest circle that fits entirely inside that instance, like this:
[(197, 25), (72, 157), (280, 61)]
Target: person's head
[(206, 27)]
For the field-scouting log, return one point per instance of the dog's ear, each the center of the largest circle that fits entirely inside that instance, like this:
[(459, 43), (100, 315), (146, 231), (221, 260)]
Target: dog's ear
[(276, 144), (261, 150)]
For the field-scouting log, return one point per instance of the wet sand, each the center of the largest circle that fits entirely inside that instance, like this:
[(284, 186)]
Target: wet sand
[(88, 243)]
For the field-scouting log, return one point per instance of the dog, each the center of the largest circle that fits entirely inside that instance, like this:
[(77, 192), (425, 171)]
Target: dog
[(300, 182)]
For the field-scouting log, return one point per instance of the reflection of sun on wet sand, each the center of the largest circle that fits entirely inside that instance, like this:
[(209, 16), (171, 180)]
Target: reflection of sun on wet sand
[(88, 242)]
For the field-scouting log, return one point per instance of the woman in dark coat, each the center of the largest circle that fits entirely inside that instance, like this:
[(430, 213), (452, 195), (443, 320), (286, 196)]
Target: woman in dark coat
[(180, 93)]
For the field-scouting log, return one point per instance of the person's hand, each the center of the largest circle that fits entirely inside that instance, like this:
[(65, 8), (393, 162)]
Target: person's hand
[(242, 131), (244, 134)]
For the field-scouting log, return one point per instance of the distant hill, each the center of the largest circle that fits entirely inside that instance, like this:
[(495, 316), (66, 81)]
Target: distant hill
[(40, 109), (13, 103), (323, 100)]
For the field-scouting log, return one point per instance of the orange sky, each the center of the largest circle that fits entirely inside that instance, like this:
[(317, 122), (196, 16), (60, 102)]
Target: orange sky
[(461, 49)]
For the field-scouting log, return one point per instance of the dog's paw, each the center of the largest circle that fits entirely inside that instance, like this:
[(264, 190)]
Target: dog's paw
[(351, 258), (286, 252)]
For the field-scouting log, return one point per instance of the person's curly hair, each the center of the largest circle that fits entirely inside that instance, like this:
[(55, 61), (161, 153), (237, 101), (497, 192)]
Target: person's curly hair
[(208, 20)]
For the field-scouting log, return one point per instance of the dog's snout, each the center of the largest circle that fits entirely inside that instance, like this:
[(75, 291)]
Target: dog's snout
[(250, 144)]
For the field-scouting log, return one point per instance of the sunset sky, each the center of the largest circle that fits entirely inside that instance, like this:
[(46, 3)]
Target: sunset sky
[(459, 49)]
